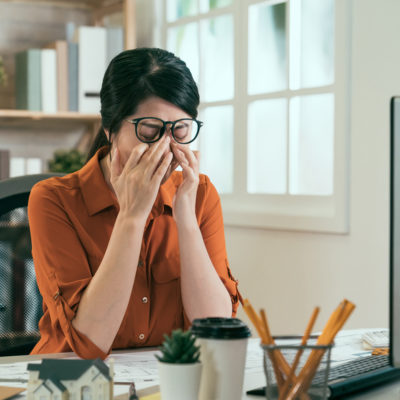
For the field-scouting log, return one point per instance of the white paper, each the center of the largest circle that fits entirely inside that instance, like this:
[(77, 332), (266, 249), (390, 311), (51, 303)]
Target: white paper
[(141, 366)]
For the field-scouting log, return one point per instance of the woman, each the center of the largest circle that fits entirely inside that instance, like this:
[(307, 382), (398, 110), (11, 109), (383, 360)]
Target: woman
[(125, 249)]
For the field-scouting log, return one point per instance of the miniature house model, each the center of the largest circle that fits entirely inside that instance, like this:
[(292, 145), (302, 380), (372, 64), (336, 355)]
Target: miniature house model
[(70, 380)]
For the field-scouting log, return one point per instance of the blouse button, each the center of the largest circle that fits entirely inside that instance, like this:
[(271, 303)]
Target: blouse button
[(145, 300), (141, 336)]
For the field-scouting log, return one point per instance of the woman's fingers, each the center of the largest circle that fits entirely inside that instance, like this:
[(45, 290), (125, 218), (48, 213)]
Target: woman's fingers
[(187, 169), (154, 156), (188, 155), (135, 156), (179, 155), (162, 168), (116, 169)]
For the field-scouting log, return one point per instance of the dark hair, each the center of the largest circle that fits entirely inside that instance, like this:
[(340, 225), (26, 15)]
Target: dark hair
[(135, 75)]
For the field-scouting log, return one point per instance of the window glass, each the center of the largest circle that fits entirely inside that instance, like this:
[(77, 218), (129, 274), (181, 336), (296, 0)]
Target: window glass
[(180, 8), (217, 58), (267, 63), (183, 41), (266, 147), (216, 146), (207, 5), (311, 144), (312, 43)]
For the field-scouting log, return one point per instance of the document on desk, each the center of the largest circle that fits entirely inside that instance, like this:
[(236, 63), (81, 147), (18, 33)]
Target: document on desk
[(140, 367), (137, 367)]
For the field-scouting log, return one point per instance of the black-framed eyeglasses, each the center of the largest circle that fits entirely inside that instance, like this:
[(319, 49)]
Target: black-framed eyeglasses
[(152, 129)]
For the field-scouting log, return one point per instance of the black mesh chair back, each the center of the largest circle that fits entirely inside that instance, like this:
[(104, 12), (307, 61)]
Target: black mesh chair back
[(20, 300)]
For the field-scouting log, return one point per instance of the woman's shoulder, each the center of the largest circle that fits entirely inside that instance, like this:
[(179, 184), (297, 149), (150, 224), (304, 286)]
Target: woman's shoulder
[(56, 183), (57, 189)]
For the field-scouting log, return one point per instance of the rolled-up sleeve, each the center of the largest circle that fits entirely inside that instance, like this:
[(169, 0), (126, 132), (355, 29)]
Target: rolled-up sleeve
[(62, 272), (212, 229)]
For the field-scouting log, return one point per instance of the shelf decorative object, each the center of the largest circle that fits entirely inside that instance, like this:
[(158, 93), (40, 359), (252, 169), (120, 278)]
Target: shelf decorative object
[(3, 74)]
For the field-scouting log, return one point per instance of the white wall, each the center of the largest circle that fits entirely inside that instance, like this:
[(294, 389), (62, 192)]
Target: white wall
[(289, 273)]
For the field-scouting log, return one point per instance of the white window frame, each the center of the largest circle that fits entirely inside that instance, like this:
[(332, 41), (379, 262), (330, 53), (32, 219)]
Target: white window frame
[(288, 212)]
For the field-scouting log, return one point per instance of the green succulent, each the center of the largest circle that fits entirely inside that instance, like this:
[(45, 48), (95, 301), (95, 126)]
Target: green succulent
[(67, 161), (179, 348)]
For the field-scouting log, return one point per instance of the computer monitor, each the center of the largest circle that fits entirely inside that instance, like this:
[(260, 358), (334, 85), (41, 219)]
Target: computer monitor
[(395, 233)]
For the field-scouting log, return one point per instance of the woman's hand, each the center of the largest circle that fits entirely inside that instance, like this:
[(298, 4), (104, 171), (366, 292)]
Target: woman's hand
[(136, 184), (184, 204)]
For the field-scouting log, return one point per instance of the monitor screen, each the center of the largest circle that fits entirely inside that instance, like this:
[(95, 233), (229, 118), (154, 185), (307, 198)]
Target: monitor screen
[(395, 233)]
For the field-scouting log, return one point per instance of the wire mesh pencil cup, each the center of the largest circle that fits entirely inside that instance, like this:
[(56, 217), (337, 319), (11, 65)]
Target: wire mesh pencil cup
[(289, 346)]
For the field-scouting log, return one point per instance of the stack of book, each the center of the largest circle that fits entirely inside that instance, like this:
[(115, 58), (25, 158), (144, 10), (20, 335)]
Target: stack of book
[(67, 75)]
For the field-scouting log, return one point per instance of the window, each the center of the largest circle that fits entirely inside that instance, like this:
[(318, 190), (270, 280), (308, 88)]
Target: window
[(273, 80), (86, 393)]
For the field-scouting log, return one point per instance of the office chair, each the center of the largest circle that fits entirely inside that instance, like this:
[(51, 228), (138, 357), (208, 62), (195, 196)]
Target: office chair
[(20, 300)]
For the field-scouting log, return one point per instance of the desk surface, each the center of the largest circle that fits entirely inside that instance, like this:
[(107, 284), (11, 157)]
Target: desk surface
[(254, 375)]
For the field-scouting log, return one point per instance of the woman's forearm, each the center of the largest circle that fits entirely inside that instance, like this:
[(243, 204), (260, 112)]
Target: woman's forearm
[(104, 301), (203, 293)]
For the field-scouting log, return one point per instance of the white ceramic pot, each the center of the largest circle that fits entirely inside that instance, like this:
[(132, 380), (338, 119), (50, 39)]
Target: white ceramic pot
[(179, 381)]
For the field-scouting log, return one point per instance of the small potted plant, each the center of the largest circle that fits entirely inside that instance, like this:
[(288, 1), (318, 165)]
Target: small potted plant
[(67, 161), (179, 366)]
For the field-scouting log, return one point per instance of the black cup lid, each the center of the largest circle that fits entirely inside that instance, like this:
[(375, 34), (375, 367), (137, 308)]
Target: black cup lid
[(220, 328)]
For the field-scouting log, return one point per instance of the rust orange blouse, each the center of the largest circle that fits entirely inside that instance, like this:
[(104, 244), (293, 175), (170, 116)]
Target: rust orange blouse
[(71, 219)]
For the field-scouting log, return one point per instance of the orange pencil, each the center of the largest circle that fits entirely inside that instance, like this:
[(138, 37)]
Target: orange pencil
[(306, 335)]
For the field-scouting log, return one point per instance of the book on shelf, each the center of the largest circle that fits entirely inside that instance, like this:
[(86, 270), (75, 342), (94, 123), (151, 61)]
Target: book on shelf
[(73, 93), (49, 80), (115, 42), (20, 166), (28, 80), (67, 75), (61, 48), (4, 164), (92, 65)]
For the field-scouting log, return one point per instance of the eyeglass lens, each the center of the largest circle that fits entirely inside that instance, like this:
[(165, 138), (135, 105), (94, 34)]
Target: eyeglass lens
[(151, 129)]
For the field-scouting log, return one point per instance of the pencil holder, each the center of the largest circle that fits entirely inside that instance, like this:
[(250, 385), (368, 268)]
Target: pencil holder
[(289, 365)]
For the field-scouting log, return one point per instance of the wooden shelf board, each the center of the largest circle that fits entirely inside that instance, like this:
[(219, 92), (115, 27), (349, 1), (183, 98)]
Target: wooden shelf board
[(88, 4), (41, 116)]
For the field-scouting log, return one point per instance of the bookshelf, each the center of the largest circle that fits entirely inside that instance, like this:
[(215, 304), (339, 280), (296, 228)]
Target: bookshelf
[(85, 11), (35, 119)]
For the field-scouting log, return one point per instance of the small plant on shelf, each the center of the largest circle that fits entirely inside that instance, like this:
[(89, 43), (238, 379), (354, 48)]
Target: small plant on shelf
[(67, 161), (3, 75), (179, 348)]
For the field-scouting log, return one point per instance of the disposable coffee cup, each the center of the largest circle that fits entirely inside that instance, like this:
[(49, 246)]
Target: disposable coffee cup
[(223, 346)]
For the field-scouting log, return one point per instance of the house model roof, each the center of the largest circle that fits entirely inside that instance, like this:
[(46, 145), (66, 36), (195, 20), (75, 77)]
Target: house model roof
[(67, 370)]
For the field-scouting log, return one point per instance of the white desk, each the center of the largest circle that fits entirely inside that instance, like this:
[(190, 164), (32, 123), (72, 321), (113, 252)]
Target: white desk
[(254, 375)]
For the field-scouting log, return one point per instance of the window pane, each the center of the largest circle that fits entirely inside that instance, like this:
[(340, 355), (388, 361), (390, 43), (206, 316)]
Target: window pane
[(183, 41), (267, 48), (312, 42), (216, 146), (266, 152), (207, 5), (217, 53), (311, 144), (180, 8)]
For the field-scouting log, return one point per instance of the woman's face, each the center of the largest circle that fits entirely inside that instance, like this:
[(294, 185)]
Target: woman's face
[(126, 139)]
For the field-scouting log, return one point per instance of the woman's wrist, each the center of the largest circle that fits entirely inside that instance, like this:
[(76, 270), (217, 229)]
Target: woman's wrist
[(131, 221), (187, 224)]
